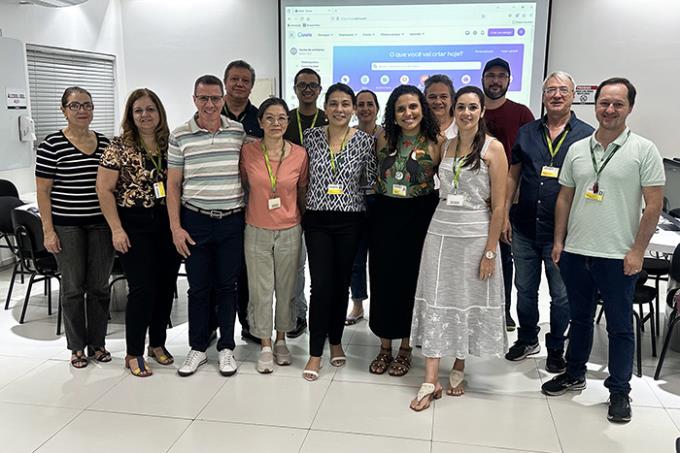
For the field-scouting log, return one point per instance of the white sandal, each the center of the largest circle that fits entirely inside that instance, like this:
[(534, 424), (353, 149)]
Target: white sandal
[(456, 379), (428, 391)]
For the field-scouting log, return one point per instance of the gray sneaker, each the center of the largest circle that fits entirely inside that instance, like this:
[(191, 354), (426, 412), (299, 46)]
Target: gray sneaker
[(265, 363), (282, 354), (194, 360)]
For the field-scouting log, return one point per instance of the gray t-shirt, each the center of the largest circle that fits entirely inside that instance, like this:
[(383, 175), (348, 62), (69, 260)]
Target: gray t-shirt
[(607, 228)]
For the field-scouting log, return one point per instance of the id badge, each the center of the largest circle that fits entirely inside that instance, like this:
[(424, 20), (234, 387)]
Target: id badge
[(455, 199), (399, 190), (595, 196), (550, 172), (335, 189), (274, 203), (159, 189)]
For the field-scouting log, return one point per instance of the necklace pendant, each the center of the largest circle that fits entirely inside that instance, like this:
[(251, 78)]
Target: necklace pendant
[(399, 176)]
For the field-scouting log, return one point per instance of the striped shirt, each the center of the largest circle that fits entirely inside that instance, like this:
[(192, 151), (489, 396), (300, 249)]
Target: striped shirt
[(74, 174), (210, 162)]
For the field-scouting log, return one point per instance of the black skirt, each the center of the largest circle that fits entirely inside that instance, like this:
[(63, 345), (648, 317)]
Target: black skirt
[(397, 231)]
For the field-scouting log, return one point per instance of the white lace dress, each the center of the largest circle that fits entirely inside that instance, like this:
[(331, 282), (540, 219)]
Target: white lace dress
[(456, 314)]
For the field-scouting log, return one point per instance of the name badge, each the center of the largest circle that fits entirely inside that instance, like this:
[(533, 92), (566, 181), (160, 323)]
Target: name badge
[(399, 190), (274, 203), (335, 189), (550, 172), (159, 189), (455, 199), (595, 196)]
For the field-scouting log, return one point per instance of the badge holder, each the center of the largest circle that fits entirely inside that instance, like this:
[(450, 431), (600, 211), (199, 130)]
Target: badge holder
[(335, 189), (159, 189), (550, 172)]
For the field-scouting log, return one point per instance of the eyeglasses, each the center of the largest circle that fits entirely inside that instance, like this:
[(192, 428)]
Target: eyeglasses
[(552, 90), (302, 86), (270, 120), (205, 99), (75, 106), (494, 76)]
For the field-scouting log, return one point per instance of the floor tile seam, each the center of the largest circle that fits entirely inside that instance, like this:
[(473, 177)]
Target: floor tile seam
[(509, 449), (139, 414), (262, 425), (174, 442), (677, 425), (554, 421), (119, 379), (359, 433), (323, 398), (16, 378), (200, 411), (75, 417)]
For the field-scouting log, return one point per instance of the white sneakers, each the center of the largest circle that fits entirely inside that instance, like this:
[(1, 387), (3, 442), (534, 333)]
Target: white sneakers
[(195, 359), (227, 363)]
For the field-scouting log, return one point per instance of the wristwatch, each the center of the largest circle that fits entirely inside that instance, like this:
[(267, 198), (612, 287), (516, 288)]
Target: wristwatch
[(489, 254)]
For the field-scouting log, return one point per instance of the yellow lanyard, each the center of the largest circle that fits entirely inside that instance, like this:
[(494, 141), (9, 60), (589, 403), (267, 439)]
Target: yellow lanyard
[(342, 147), (554, 151), (297, 112), (272, 175)]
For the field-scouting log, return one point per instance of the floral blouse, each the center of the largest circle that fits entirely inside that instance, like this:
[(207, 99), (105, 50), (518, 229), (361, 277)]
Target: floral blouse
[(409, 167), (137, 174)]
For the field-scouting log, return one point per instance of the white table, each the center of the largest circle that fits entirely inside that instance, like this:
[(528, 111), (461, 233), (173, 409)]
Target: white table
[(663, 241)]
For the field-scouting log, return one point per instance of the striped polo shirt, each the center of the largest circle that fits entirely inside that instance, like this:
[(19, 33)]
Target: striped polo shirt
[(74, 177), (210, 162)]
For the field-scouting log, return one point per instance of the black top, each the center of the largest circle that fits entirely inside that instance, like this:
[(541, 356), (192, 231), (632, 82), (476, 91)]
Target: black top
[(293, 132), (534, 214), (248, 118), (74, 174)]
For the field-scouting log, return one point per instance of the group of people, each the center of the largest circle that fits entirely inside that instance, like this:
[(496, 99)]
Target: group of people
[(429, 200)]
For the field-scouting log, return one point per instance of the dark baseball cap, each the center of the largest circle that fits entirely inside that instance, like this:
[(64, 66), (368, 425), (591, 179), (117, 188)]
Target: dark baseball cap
[(496, 62)]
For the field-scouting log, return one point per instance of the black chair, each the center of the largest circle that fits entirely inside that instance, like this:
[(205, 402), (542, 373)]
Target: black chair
[(37, 261), (8, 189), (658, 269), (7, 205), (673, 301)]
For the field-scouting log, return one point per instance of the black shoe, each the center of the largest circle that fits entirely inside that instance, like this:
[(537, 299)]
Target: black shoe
[(300, 327), (510, 325), (555, 362), (563, 383), (247, 336), (619, 408), (520, 351)]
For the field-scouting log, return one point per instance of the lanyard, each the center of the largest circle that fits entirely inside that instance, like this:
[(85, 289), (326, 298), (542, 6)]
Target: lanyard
[(598, 171), (156, 162), (272, 176), (297, 112), (342, 147), (458, 163), (555, 150)]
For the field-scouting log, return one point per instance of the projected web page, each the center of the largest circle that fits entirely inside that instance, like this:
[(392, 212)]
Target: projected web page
[(382, 46)]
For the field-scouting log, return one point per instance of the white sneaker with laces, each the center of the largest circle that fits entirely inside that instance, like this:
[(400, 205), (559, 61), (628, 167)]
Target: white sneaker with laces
[(193, 361), (228, 366)]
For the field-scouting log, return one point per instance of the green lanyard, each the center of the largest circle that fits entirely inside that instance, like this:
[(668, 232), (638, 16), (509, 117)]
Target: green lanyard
[(458, 163), (156, 162), (272, 176), (554, 151), (297, 112), (598, 171), (342, 147)]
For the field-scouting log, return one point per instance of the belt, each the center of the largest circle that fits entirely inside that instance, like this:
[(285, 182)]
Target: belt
[(212, 213)]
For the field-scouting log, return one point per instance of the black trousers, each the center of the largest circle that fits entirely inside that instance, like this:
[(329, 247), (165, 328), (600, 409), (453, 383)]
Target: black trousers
[(332, 240), (151, 265)]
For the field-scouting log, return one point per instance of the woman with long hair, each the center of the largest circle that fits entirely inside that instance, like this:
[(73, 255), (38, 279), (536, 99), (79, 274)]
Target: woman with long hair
[(131, 188), (460, 308), (408, 156)]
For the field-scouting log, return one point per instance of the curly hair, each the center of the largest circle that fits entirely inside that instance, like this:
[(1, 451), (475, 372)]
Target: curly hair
[(130, 133), (428, 125), (475, 157)]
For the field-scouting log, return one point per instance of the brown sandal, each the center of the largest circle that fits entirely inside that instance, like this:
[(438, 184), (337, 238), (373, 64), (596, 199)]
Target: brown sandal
[(78, 359), (401, 364), (163, 357), (100, 354), (382, 361)]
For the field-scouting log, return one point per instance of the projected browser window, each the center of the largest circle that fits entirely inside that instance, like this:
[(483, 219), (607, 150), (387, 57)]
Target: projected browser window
[(381, 47)]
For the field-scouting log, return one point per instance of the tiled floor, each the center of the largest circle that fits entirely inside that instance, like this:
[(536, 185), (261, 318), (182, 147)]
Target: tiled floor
[(47, 406)]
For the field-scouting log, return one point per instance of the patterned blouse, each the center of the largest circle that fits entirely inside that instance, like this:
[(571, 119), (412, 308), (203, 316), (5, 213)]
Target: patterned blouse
[(137, 174), (356, 159), (408, 171)]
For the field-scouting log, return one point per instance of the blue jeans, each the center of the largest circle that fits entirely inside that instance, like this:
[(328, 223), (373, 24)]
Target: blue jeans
[(213, 267), (528, 255), (584, 276)]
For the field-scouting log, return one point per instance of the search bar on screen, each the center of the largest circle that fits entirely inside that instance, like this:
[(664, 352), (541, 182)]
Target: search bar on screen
[(426, 65)]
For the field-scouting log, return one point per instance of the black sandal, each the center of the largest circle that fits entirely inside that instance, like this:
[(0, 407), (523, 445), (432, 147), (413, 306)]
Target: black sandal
[(78, 359), (100, 354), (381, 362), (401, 364)]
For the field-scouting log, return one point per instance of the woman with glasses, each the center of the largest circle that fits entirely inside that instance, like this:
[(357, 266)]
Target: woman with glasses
[(460, 307), (367, 113), (74, 229), (131, 186), (439, 93), (408, 155), (274, 172), (338, 156)]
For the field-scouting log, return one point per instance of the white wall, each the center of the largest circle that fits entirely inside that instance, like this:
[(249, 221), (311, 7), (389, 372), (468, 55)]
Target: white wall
[(640, 40)]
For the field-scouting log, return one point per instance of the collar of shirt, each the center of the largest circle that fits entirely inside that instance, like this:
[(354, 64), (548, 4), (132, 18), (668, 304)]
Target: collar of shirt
[(240, 117), (618, 141), (570, 124), (195, 128)]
